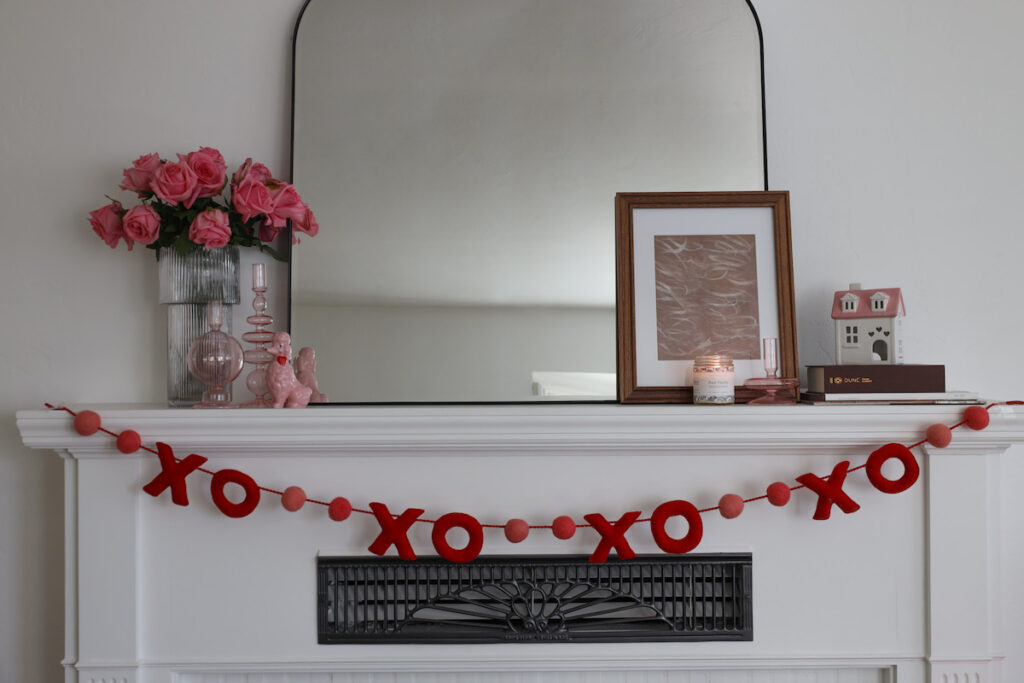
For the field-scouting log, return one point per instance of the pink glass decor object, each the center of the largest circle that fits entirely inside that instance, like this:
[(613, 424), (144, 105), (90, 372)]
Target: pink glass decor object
[(260, 338), (770, 356), (305, 370), (215, 359), (285, 388), (771, 383)]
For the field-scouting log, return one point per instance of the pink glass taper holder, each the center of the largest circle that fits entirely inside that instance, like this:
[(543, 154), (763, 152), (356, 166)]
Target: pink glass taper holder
[(260, 338), (770, 356), (215, 359), (771, 384)]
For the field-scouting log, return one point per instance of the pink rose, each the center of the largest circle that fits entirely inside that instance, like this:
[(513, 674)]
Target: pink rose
[(252, 198), (306, 222), (268, 232), (176, 182), (287, 204), (217, 156), (250, 171), (210, 229), (107, 223), (210, 170), (142, 224), (137, 178)]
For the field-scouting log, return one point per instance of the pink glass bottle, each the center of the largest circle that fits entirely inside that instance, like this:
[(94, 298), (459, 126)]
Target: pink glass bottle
[(215, 359)]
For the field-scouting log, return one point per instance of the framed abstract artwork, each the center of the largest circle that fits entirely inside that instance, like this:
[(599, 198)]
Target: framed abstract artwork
[(700, 273)]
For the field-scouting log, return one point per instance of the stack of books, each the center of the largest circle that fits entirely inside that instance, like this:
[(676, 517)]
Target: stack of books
[(885, 384)]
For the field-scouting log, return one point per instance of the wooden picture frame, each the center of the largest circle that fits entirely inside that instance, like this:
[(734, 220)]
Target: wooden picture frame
[(696, 271)]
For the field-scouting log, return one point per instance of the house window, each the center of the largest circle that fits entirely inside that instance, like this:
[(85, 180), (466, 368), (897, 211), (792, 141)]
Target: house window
[(852, 335), (879, 300), (878, 305), (849, 302)]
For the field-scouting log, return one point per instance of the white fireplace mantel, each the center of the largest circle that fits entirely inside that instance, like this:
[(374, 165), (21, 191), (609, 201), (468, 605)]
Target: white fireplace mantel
[(904, 589)]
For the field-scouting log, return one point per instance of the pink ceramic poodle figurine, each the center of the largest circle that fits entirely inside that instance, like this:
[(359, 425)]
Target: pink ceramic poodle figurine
[(305, 370), (285, 389)]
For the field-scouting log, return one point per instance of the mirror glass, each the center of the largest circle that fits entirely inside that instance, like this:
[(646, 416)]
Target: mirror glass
[(462, 158)]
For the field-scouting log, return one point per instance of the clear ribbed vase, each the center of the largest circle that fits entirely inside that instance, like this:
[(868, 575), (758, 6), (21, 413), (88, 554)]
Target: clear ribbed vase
[(187, 284)]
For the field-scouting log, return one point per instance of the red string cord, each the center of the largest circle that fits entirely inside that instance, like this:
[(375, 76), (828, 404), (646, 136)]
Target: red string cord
[(535, 526)]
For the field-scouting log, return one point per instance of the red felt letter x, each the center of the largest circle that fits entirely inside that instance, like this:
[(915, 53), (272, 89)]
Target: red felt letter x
[(612, 536), (393, 531), (173, 474), (830, 491)]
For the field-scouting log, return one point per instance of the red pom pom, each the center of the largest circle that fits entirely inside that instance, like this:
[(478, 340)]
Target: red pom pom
[(938, 435), (778, 494), (516, 530), (87, 422), (339, 509), (129, 441), (730, 506), (563, 527), (976, 417), (293, 498)]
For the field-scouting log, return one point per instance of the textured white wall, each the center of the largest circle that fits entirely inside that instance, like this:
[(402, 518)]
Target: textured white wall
[(895, 126), (87, 87)]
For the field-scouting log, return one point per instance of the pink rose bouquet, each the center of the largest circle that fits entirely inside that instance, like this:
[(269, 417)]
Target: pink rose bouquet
[(193, 203)]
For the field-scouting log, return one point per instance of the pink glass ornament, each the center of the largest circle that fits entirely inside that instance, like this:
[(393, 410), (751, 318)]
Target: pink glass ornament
[(260, 338), (215, 359)]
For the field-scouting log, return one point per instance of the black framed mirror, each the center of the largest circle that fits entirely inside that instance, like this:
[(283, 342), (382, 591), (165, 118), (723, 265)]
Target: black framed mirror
[(463, 156)]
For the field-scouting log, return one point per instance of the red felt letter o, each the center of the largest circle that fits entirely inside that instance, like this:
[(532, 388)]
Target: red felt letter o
[(677, 546), (236, 510), (457, 519), (911, 471)]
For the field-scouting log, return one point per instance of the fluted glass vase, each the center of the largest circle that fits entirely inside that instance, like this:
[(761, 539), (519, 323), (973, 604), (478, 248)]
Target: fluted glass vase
[(187, 284)]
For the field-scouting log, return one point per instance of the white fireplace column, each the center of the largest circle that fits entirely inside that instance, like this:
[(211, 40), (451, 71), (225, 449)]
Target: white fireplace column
[(904, 590)]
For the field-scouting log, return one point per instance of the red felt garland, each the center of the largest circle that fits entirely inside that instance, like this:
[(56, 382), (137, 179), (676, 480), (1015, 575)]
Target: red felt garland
[(394, 529)]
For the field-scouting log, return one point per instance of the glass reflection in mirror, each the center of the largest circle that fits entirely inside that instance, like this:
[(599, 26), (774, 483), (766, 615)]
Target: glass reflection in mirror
[(462, 158)]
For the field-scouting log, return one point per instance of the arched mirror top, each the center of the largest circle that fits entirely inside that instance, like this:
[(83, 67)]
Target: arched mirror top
[(463, 156)]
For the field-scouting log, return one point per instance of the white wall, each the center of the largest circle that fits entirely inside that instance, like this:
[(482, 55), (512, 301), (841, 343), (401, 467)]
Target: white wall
[(895, 126)]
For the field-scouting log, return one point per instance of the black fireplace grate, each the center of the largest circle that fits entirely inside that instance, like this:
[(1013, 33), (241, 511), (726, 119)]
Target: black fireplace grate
[(546, 598)]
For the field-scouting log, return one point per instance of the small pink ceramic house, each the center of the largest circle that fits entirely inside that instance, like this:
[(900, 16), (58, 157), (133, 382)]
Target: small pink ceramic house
[(869, 325)]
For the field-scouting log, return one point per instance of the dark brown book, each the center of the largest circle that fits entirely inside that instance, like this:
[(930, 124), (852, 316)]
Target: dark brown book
[(875, 379)]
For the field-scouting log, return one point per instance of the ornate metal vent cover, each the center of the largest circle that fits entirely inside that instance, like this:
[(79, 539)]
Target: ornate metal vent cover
[(547, 598)]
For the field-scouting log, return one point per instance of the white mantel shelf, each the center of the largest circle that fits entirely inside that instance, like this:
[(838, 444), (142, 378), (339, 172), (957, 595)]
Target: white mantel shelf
[(484, 430), (905, 590)]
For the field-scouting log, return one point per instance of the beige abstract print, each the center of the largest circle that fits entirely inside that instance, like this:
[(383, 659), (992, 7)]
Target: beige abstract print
[(706, 290)]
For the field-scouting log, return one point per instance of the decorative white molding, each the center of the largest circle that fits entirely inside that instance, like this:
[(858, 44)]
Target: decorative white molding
[(498, 430)]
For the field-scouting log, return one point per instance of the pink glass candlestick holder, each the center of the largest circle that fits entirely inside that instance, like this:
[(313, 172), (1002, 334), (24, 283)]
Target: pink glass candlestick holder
[(771, 384), (770, 356), (260, 338)]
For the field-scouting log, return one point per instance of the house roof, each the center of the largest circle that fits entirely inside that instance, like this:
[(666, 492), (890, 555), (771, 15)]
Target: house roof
[(893, 307)]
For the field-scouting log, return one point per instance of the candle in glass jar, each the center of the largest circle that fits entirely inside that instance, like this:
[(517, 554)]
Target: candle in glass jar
[(713, 378)]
